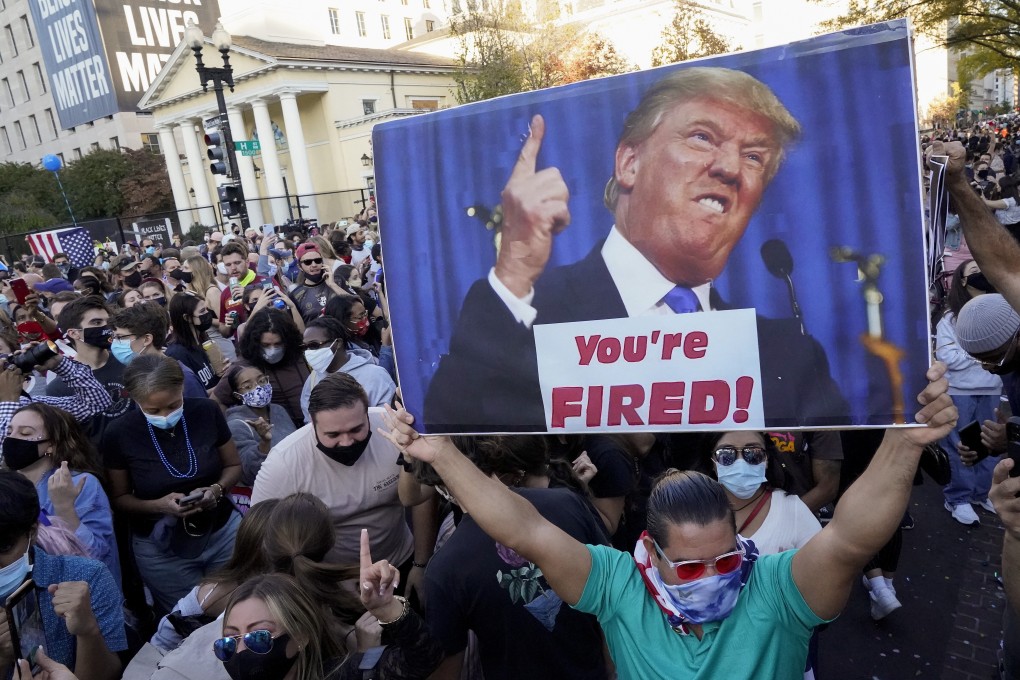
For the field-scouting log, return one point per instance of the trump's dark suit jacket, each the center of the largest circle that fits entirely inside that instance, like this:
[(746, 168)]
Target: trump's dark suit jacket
[(489, 380)]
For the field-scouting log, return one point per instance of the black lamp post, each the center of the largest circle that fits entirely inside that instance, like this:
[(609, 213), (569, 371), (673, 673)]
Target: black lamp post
[(194, 37)]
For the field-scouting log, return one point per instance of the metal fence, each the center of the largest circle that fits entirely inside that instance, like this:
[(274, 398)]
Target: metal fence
[(323, 207)]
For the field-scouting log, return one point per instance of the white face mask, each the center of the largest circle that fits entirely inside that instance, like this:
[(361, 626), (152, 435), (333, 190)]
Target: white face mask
[(319, 359), (221, 268)]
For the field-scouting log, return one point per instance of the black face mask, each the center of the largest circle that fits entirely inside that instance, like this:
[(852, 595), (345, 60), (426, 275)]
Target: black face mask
[(979, 282), (314, 280), (273, 665), (20, 453), (206, 321), (97, 337), (133, 280), (182, 276), (345, 455)]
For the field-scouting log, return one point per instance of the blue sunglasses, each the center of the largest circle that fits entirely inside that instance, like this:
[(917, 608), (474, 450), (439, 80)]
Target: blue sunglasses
[(258, 641)]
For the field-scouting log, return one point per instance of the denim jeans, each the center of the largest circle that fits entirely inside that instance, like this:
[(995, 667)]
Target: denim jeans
[(170, 577), (969, 484)]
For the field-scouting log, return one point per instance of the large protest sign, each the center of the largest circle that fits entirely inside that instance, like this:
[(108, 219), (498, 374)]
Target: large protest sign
[(780, 184), (75, 65), (140, 36)]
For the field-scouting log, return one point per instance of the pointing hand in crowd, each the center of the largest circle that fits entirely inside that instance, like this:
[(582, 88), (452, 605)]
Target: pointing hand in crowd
[(376, 584)]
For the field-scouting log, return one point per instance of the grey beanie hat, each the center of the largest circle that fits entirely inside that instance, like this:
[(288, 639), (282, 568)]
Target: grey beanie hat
[(986, 323)]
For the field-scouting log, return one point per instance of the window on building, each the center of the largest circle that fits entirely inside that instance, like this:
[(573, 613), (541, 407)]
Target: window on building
[(77, 154), (63, 161), (23, 84), (94, 146), (20, 134), (368, 106), (40, 78), (7, 140), (26, 28), (35, 128), (334, 20), (8, 92), (115, 143), (385, 27), (360, 18), (429, 26), (150, 142), (408, 28), (10, 38), (53, 122), (427, 104)]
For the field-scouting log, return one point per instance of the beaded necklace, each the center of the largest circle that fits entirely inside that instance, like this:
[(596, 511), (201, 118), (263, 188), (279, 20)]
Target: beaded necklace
[(192, 458)]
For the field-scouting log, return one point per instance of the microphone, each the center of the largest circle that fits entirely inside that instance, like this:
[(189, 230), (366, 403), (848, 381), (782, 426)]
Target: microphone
[(779, 262)]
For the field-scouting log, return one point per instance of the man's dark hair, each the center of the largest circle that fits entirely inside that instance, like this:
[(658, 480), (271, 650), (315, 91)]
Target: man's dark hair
[(71, 315), (144, 319), (168, 253), (377, 252), (19, 266), (51, 271), (686, 497), (19, 507), (334, 327), (336, 390), (234, 248), (270, 320), (340, 306), (61, 255)]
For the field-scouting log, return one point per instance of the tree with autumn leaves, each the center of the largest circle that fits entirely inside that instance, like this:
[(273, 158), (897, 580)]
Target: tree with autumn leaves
[(103, 183)]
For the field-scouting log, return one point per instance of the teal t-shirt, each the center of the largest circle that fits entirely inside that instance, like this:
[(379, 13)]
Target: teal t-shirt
[(766, 635)]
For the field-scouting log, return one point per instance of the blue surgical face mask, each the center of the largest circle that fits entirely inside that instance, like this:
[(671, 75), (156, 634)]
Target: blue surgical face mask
[(705, 600), (13, 575), (741, 479), (150, 250), (272, 270), (166, 422), (121, 351)]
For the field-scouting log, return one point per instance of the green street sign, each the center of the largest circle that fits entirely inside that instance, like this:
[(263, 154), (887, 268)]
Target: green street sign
[(248, 147)]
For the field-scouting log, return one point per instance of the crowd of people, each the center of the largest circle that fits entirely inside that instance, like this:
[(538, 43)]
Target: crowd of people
[(207, 472)]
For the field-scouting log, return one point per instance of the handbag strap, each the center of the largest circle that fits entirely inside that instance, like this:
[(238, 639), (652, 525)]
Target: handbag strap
[(757, 508)]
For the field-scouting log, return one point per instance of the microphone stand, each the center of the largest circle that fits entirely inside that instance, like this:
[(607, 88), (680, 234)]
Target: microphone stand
[(868, 269)]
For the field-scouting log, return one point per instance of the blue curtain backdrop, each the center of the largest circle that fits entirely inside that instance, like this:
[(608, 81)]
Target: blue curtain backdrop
[(852, 180)]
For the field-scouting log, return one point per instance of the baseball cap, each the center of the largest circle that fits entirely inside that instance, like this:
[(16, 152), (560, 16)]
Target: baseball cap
[(352, 229), (216, 236), (53, 286), (306, 248)]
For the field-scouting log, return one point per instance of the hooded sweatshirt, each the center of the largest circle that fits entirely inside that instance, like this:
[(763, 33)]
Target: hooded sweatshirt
[(966, 376), (362, 366)]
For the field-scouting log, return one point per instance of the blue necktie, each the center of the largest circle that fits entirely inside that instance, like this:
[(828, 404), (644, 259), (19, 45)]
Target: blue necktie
[(682, 300)]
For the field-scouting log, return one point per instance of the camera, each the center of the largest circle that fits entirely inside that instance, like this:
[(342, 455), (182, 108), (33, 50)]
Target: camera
[(32, 357)]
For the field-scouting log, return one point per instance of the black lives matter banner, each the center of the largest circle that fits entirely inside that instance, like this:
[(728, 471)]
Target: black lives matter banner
[(73, 55), (140, 37)]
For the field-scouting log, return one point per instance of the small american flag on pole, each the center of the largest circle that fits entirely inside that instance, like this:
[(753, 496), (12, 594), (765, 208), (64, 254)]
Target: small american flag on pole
[(76, 243)]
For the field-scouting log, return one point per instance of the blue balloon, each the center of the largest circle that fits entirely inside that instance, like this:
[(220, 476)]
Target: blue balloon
[(51, 162)]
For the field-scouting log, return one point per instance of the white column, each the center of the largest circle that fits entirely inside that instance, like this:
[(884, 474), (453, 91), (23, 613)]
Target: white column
[(199, 179), (270, 161), (298, 154), (168, 145), (246, 169)]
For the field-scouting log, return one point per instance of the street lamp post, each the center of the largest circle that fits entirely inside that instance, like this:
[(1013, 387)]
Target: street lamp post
[(219, 75)]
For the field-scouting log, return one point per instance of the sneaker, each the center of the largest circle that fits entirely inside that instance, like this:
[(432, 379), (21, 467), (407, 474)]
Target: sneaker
[(963, 513), (883, 603), (987, 506)]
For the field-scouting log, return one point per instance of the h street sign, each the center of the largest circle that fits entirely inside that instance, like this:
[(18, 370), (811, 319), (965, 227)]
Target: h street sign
[(248, 147)]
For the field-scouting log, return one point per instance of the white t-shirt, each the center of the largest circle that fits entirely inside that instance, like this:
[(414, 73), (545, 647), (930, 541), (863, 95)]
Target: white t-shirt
[(789, 524), (362, 496)]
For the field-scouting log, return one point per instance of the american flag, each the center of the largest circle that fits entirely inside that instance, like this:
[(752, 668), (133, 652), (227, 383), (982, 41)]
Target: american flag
[(76, 243)]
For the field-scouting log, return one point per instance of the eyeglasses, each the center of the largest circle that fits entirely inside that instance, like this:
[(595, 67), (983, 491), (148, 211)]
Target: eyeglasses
[(996, 367), (688, 570), (752, 455), (359, 317), (317, 345), (264, 380), (258, 641), (124, 337), (314, 260)]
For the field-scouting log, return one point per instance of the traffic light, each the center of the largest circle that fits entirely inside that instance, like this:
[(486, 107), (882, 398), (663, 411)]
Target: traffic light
[(230, 200), (217, 153)]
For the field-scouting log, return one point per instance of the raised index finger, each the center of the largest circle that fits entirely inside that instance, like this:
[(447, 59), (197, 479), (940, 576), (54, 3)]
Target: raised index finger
[(366, 552), (529, 153)]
